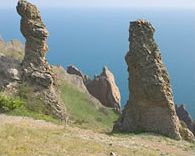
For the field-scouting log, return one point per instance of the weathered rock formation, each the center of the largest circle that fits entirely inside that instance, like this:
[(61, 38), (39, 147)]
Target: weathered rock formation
[(11, 54), (184, 116), (35, 66), (150, 107), (36, 70), (9, 74), (104, 88), (71, 69), (63, 77)]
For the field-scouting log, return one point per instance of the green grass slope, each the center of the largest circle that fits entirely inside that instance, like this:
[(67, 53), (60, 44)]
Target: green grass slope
[(27, 137), (83, 112), (81, 109)]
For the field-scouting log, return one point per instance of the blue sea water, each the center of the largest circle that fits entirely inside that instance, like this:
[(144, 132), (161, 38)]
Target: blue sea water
[(93, 37)]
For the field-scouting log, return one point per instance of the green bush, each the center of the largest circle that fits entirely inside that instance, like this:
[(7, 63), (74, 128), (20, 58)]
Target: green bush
[(9, 103)]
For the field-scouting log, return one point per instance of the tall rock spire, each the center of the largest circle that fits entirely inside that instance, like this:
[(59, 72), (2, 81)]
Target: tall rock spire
[(36, 70), (150, 106), (34, 64)]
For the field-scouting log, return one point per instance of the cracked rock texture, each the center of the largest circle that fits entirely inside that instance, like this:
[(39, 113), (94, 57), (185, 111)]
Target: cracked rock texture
[(36, 70), (150, 107), (35, 66)]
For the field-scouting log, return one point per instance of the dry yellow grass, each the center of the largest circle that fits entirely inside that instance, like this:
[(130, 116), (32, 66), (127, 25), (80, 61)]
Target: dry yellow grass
[(27, 137)]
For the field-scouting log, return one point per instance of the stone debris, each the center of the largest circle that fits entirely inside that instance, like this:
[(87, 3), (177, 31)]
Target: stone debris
[(112, 154)]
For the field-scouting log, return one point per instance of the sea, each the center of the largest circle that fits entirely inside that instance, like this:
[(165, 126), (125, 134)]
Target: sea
[(91, 38)]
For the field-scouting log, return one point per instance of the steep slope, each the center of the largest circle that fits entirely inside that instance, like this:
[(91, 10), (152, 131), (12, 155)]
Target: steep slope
[(46, 90), (83, 109), (103, 87)]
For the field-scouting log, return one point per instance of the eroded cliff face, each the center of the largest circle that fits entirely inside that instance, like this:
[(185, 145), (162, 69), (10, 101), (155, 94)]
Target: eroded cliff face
[(184, 116), (35, 69), (150, 107)]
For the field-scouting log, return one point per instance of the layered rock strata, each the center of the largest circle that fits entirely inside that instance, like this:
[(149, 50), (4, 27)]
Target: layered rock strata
[(36, 70), (150, 107)]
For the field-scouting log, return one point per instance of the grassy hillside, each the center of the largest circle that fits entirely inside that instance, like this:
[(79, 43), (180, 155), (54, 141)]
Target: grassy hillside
[(87, 133), (17, 106), (83, 112), (24, 136)]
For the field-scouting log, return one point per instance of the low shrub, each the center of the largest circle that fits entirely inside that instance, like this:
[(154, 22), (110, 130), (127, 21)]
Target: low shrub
[(9, 103)]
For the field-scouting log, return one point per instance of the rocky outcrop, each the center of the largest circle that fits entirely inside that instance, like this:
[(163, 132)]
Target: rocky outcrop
[(63, 77), (150, 107), (104, 88), (35, 66), (35, 69), (11, 55), (71, 69), (184, 116), (10, 72), (73, 79)]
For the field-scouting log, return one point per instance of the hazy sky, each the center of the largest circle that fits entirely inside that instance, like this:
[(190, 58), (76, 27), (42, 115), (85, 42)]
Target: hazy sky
[(105, 3)]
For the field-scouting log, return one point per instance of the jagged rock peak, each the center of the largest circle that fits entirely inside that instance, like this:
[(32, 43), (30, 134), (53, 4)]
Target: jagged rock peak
[(184, 116), (106, 71), (71, 69), (150, 107), (104, 88)]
